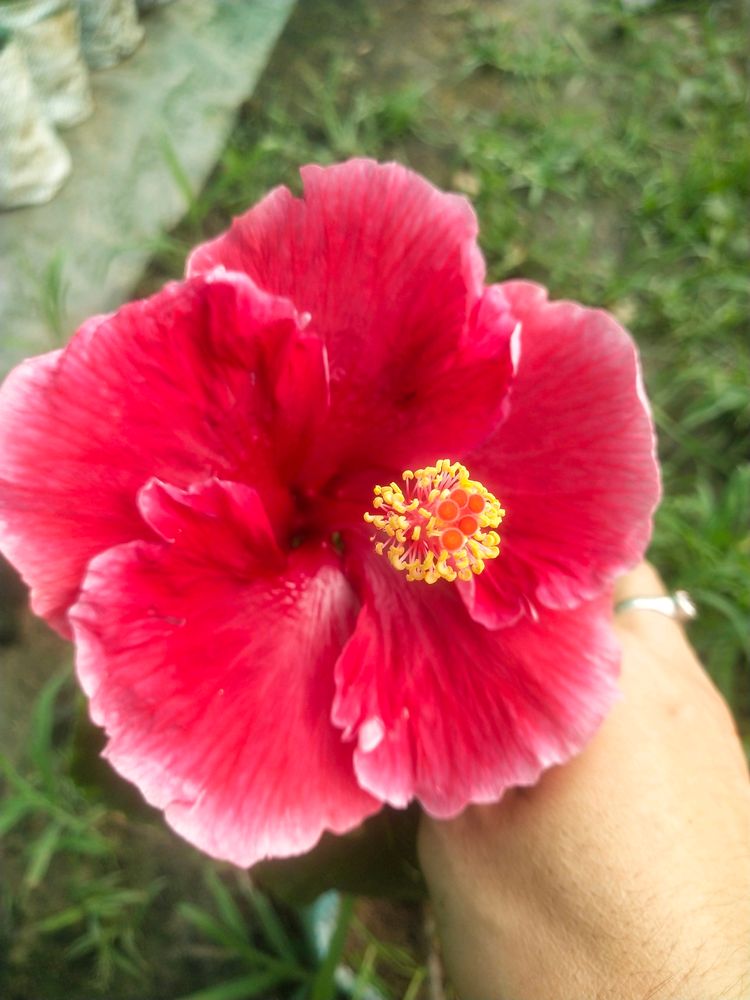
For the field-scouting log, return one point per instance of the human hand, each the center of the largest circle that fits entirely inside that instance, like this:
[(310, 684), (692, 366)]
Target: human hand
[(622, 875)]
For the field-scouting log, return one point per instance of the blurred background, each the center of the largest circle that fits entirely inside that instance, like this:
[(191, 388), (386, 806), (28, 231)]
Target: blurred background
[(604, 144)]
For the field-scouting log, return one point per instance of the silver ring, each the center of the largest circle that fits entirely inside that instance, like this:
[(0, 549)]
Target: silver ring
[(679, 605)]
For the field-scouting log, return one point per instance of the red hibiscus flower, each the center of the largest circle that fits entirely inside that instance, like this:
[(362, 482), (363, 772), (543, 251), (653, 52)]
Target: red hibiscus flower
[(184, 488)]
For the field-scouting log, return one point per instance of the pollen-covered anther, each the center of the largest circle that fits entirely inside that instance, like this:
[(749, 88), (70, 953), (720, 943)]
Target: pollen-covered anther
[(440, 525)]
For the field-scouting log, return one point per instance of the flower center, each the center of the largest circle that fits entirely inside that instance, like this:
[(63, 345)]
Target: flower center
[(440, 525)]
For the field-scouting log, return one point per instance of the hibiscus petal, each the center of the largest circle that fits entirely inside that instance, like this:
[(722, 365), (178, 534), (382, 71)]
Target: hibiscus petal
[(214, 677), (451, 713), (205, 520), (173, 386), (388, 268), (573, 464)]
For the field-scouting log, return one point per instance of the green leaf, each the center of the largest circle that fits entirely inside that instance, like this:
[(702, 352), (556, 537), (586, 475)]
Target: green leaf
[(324, 986)]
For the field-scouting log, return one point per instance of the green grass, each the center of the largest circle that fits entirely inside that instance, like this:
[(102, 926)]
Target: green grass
[(607, 155), (97, 903)]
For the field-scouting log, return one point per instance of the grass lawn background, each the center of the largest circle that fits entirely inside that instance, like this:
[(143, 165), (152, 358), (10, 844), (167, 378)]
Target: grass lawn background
[(607, 155)]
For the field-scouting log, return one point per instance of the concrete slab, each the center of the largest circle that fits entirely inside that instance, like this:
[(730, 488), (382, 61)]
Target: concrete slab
[(175, 97)]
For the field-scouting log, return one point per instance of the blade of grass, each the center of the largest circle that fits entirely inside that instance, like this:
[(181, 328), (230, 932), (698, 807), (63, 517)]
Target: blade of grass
[(41, 751), (58, 921), (364, 975), (412, 990), (13, 811), (226, 906), (48, 804), (271, 925), (179, 176), (324, 985), (226, 939), (41, 855), (254, 985)]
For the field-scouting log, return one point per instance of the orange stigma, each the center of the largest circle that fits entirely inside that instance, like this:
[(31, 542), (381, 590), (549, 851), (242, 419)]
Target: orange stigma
[(439, 526)]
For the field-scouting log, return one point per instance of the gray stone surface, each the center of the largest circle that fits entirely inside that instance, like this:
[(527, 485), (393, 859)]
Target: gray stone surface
[(179, 91)]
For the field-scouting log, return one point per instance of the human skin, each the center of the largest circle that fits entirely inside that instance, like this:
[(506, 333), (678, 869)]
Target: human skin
[(622, 875)]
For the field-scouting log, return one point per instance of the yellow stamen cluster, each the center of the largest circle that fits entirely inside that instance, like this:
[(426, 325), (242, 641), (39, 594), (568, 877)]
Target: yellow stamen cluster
[(439, 525)]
